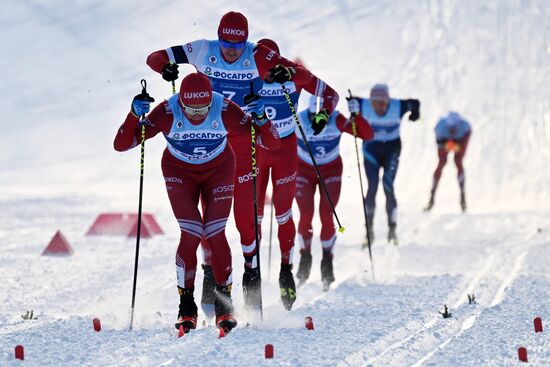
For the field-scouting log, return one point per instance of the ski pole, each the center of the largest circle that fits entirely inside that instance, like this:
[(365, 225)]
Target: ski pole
[(254, 97), (319, 176), (354, 129), (270, 239), (141, 166)]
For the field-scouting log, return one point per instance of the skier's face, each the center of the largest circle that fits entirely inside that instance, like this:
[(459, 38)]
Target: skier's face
[(196, 112), (380, 106), (231, 51)]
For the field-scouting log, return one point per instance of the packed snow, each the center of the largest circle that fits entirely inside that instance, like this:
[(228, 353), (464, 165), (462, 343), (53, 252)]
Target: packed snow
[(69, 72)]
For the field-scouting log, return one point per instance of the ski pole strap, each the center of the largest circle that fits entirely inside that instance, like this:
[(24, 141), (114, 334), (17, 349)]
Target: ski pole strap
[(321, 181), (173, 87)]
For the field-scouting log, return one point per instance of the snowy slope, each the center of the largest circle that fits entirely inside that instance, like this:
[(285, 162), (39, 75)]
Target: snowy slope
[(69, 72)]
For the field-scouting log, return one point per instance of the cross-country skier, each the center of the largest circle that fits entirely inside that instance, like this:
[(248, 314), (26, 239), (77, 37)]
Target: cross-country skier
[(325, 147), (232, 64), (452, 134), (282, 163), (384, 114), (198, 162)]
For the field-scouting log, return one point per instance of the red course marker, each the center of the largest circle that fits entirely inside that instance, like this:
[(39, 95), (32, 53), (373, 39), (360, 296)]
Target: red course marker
[(269, 351), (522, 354), (19, 352), (97, 324), (538, 325), (309, 323)]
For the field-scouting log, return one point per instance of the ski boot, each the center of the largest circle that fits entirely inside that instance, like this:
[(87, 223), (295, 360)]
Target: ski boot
[(327, 272), (392, 236), (287, 286), (224, 308), (304, 268), (187, 315), (463, 201), (208, 287), (252, 288), (430, 204), (369, 238)]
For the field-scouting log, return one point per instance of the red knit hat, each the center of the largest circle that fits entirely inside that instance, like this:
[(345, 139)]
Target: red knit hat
[(196, 89), (233, 27), (269, 43)]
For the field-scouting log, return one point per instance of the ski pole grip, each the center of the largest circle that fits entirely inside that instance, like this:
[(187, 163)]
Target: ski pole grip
[(143, 86)]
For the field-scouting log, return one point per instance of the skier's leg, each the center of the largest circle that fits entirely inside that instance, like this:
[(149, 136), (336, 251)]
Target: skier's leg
[(459, 156), (332, 174), (442, 161), (372, 170), (391, 164), (306, 184), (252, 287), (264, 167), (243, 208), (284, 188), (208, 282), (183, 193), (218, 193), (460, 170)]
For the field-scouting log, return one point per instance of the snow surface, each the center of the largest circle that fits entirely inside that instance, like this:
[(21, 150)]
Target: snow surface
[(69, 71)]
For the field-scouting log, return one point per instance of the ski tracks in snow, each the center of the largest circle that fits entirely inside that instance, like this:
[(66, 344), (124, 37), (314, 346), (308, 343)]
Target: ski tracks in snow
[(492, 279)]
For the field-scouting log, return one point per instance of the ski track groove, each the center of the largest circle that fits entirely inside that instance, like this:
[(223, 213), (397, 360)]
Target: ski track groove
[(361, 355), (350, 360), (470, 321), (416, 339)]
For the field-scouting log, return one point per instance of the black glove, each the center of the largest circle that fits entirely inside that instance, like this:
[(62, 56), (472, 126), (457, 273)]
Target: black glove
[(281, 74), (413, 105), (320, 120), (170, 72)]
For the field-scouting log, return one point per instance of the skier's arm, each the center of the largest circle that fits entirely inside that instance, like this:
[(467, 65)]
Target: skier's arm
[(183, 54), (319, 88), (239, 123), (412, 106), (129, 133), (267, 59), (364, 130), (441, 135)]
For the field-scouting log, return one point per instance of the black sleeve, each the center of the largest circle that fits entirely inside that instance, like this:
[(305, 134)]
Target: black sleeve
[(179, 55), (412, 106)]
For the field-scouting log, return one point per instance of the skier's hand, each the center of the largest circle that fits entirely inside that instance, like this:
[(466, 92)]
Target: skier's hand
[(413, 105), (141, 104), (452, 146), (281, 74), (170, 72), (353, 106), (256, 108), (320, 120)]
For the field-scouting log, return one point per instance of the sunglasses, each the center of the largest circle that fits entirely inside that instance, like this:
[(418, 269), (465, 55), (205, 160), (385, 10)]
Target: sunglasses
[(235, 45), (195, 111)]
